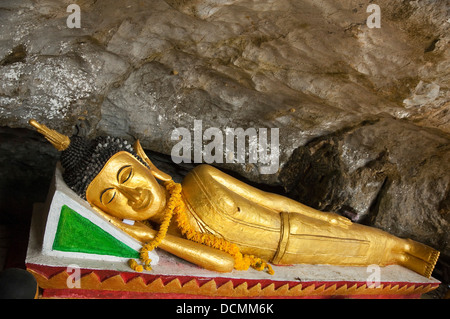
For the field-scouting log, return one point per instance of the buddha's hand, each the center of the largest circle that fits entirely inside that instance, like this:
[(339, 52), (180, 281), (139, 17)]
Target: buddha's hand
[(338, 220)]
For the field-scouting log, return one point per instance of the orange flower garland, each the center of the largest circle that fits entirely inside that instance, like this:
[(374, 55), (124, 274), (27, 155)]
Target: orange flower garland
[(176, 207), (241, 262)]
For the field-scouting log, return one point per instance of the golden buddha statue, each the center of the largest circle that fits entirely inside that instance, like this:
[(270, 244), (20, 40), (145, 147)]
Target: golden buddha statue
[(228, 224)]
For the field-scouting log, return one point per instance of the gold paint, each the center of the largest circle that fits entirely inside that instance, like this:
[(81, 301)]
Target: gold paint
[(155, 171), (263, 224), (59, 141), (256, 221), (126, 189), (203, 256), (267, 225)]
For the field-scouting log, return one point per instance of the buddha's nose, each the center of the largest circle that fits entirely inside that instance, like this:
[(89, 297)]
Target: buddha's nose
[(132, 194)]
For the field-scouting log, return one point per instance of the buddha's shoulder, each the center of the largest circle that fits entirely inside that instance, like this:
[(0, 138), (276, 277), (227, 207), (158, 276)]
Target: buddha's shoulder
[(202, 172), (205, 169), (205, 180)]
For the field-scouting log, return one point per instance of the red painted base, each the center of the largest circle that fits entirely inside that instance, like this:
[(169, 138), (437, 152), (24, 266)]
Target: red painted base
[(109, 294), (109, 284)]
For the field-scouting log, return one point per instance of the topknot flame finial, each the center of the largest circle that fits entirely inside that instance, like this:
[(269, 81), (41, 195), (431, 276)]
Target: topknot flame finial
[(58, 140)]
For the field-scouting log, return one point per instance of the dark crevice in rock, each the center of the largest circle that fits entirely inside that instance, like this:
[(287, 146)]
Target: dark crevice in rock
[(18, 54), (375, 205)]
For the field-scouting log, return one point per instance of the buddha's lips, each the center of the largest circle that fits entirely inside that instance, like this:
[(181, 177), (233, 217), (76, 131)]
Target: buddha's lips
[(143, 201)]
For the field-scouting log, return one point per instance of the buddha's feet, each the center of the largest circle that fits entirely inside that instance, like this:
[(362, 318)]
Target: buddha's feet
[(418, 257)]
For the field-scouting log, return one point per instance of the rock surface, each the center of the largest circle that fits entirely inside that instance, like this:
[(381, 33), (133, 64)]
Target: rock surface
[(370, 174), (363, 112)]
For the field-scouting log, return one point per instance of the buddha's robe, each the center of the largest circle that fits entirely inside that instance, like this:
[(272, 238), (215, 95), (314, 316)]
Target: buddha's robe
[(285, 237)]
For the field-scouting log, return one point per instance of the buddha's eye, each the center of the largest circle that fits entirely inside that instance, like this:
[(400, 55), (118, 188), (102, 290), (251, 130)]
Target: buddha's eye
[(124, 174), (107, 195)]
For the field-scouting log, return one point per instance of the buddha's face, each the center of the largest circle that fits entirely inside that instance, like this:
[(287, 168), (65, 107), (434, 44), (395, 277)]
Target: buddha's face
[(126, 189)]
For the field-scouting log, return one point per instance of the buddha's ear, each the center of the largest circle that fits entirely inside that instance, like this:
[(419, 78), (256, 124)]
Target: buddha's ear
[(155, 171)]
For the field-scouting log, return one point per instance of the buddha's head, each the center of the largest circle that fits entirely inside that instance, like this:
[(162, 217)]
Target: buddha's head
[(108, 173), (126, 188)]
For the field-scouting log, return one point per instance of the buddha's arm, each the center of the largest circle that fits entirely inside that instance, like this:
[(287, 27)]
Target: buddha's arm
[(275, 202), (198, 254)]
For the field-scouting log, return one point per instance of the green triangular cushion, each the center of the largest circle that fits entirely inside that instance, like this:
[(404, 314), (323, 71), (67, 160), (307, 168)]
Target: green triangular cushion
[(76, 233)]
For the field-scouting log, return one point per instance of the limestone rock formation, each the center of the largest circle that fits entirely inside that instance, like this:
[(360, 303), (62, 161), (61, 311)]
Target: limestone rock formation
[(370, 174)]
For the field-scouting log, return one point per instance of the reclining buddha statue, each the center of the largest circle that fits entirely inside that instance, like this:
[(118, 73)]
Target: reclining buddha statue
[(216, 221)]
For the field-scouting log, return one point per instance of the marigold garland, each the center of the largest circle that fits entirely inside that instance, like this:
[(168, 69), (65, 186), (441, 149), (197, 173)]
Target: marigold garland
[(174, 190), (176, 207), (135, 266)]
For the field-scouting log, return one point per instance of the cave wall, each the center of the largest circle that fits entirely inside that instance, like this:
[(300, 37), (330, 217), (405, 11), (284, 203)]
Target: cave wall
[(363, 113)]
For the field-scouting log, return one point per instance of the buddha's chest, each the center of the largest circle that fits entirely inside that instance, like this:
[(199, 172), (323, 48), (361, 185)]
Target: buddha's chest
[(214, 209)]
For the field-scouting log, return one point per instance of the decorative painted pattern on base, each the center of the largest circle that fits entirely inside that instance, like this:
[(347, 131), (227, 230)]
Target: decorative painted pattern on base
[(113, 284)]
